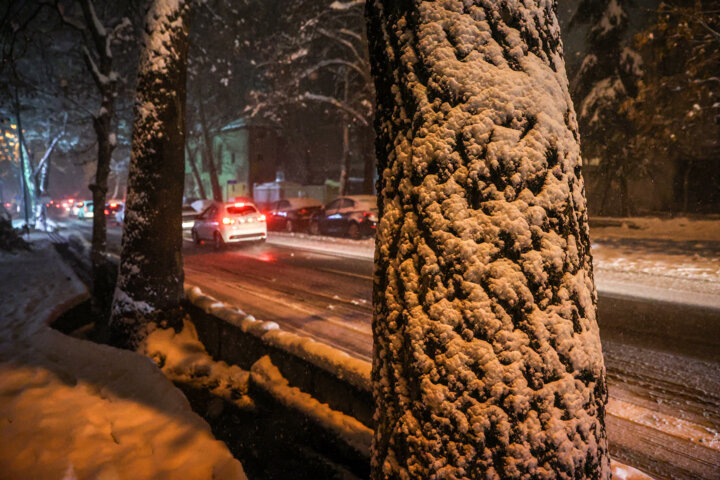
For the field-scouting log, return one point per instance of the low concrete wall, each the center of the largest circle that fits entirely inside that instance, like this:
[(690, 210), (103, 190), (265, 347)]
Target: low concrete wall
[(327, 374)]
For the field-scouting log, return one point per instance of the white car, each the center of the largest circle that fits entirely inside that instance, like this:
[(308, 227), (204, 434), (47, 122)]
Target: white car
[(222, 223)]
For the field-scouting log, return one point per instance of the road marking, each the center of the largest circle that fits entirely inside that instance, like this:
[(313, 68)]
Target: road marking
[(347, 274), (668, 424)]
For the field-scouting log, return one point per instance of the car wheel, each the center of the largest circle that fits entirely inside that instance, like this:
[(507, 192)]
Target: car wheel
[(289, 227), (219, 243), (353, 231), (314, 228), (195, 238)]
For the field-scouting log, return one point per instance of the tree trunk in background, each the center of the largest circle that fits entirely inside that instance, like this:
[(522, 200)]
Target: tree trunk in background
[(487, 360), (208, 154), (150, 280), (25, 167), (100, 68), (345, 159), (41, 178), (368, 164), (192, 160), (116, 189)]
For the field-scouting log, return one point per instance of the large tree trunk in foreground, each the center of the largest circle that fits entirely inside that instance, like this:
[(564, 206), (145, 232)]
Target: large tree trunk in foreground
[(487, 359), (150, 280)]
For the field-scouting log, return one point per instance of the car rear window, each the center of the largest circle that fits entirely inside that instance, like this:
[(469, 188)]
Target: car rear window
[(244, 210)]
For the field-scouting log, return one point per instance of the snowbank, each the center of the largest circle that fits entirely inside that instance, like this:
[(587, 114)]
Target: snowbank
[(268, 377), (73, 409), (183, 359), (337, 246)]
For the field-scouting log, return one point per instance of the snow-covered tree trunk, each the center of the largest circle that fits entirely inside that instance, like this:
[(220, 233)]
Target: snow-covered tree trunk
[(150, 280), (487, 359), (97, 53), (41, 178), (26, 183)]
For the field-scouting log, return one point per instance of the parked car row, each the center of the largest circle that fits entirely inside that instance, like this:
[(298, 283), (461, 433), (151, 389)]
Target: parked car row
[(353, 216)]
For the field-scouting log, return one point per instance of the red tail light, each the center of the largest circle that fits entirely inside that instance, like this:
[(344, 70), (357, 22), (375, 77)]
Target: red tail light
[(302, 211), (113, 205), (261, 218), (80, 204), (228, 221), (107, 212)]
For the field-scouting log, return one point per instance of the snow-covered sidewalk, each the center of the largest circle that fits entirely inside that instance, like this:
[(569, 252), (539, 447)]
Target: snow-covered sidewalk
[(662, 259), (73, 409)]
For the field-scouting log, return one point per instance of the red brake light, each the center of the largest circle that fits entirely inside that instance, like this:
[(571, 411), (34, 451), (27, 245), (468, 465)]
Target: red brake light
[(239, 204), (228, 221), (262, 218), (80, 204), (113, 205), (107, 212)]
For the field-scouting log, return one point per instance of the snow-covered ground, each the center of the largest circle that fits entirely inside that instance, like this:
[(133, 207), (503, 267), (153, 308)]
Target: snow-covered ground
[(665, 259), (71, 409)]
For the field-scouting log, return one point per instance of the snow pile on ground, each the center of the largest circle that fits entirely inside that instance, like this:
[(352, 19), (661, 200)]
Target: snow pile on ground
[(268, 377), (623, 472), (72, 409), (665, 259), (183, 358)]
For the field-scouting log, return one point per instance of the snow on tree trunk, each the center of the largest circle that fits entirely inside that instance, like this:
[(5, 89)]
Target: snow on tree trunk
[(150, 280), (487, 359)]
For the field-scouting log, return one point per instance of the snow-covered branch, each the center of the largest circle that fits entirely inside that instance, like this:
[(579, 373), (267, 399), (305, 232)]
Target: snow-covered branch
[(337, 5), (336, 61), (336, 103)]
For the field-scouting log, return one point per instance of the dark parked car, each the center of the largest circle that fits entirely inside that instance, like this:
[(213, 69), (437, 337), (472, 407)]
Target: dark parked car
[(353, 216), (292, 214)]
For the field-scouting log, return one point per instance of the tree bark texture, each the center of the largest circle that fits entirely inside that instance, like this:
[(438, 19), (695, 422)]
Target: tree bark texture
[(150, 279), (487, 360)]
